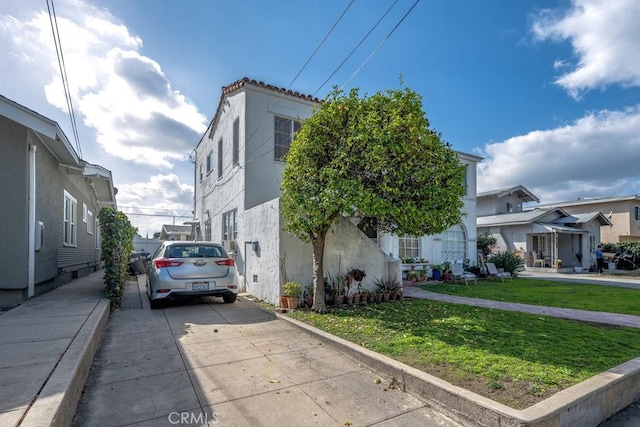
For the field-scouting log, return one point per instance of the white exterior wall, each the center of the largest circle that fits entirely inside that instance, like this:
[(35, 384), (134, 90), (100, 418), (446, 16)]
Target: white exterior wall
[(221, 195), (264, 174)]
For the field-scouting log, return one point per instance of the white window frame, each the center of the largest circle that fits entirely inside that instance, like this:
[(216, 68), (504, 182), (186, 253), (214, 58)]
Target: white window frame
[(408, 247), (220, 158), (89, 222), (209, 162), (235, 155), (70, 212), (636, 213), (84, 212), (283, 136), (454, 243), (230, 225)]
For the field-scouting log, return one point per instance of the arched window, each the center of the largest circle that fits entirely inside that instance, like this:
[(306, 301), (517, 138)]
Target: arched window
[(454, 244)]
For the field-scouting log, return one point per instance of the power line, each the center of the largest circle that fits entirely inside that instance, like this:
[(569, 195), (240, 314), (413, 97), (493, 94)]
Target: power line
[(380, 45), (63, 72), (356, 47), (335, 24)]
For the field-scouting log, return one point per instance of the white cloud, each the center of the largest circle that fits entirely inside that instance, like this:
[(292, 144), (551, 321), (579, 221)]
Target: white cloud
[(124, 96), (596, 155), (604, 35), (163, 199)]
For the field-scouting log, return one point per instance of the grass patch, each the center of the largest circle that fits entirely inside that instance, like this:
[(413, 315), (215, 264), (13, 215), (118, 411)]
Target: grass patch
[(517, 359), (610, 299)]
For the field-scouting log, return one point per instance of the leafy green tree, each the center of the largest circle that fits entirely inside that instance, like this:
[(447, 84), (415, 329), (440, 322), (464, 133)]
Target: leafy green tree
[(374, 155), (486, 242)]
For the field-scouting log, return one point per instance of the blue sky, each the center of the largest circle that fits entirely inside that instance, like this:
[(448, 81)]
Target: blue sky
[(546, 91)]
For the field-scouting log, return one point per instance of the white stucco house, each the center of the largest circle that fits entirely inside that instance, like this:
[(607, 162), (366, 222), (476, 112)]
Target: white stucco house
[(541, 235), (238, 171)]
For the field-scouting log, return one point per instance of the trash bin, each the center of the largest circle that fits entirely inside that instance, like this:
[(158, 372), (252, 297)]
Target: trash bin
[(137, 264)]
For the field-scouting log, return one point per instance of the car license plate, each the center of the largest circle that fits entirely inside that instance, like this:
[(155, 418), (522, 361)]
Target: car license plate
[(200, 286)]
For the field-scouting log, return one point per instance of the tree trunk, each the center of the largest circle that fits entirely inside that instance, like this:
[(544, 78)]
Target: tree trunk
[(319, 304)]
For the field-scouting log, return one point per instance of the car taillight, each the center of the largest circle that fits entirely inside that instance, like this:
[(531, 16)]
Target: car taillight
[(227, 261), (163, 262)]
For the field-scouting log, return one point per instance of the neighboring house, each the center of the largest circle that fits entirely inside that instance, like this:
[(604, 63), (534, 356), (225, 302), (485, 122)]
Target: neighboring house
[(176, 232), (50, 204), (622, 211), (140, 244), (541, 235), (239, 164)]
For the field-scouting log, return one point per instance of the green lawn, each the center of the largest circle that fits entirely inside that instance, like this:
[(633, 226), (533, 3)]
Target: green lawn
[(514, 358), (553, 294)]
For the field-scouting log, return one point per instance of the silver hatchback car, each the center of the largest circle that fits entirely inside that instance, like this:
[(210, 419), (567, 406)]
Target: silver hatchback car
[(187, 269)]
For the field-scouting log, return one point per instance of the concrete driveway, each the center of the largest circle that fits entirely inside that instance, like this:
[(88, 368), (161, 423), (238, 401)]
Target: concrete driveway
[(208, 363)]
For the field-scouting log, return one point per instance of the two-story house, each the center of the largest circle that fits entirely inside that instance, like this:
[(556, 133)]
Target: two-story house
[(50, 204), (622, 211), (542, 235), (238, 171)]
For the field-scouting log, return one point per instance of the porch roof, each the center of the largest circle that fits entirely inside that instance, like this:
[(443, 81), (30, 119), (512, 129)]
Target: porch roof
[(563, 229)]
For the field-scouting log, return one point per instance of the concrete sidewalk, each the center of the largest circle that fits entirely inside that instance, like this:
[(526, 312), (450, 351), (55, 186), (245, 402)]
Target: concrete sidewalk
[(206, 362), (47, 345)]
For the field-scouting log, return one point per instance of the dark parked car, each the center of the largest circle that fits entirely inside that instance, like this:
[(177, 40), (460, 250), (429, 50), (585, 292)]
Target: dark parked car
[(189, 269)]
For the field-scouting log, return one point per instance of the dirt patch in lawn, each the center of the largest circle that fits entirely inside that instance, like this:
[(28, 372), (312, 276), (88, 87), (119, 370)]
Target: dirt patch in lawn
[(515, 394)]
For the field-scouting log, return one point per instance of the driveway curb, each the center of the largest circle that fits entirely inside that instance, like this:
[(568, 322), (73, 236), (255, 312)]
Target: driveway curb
[(56, 403), (585, 404)]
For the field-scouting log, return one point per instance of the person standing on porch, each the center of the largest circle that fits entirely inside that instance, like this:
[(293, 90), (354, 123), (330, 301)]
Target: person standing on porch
[(599, 259)]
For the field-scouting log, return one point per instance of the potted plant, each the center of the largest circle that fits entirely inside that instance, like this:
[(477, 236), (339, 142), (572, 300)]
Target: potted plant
[(413, 275), (308, 295), (357, 274), (293, 290), (446, 270), (436, 271)]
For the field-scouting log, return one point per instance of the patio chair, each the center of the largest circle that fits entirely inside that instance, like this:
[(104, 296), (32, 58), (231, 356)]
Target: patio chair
[(457, 272), (492, 271), (538, 258)]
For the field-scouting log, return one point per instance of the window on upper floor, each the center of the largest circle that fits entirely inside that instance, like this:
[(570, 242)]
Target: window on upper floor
[(636, 213), (285, 133), (220, 158), (70, 219), (201, 171), (236, 142), (230, 225), (509, 207), (209, 162), (466, 180), (408, 247)]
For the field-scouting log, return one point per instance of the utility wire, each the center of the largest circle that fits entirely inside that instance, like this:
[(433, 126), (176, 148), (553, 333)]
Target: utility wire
[(380, 45), (63, 72), (356, 47), (294, 79)]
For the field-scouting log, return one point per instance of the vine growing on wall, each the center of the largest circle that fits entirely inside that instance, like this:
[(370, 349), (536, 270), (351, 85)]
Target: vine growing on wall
[(117, 244)]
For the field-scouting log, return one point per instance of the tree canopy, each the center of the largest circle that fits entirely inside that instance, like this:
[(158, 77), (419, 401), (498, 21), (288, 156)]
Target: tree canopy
[(375, 156)]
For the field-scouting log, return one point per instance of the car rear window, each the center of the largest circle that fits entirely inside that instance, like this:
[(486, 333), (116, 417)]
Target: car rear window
[(195, 251)]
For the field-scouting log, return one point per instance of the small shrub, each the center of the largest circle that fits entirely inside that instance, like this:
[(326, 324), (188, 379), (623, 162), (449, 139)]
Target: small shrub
[(508, 261), (293, 289)]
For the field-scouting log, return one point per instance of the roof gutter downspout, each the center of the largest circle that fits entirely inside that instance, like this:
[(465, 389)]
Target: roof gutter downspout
[(32, 220)]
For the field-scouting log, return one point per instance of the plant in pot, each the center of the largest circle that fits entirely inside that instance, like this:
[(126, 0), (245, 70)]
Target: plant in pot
[(308, 295), (293, 290), (446, 270), (337, 290), (413, 275), (436, 270)]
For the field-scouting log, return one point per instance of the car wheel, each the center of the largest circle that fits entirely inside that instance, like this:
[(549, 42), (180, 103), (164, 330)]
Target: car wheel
[(229, 298), (155, 304)]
